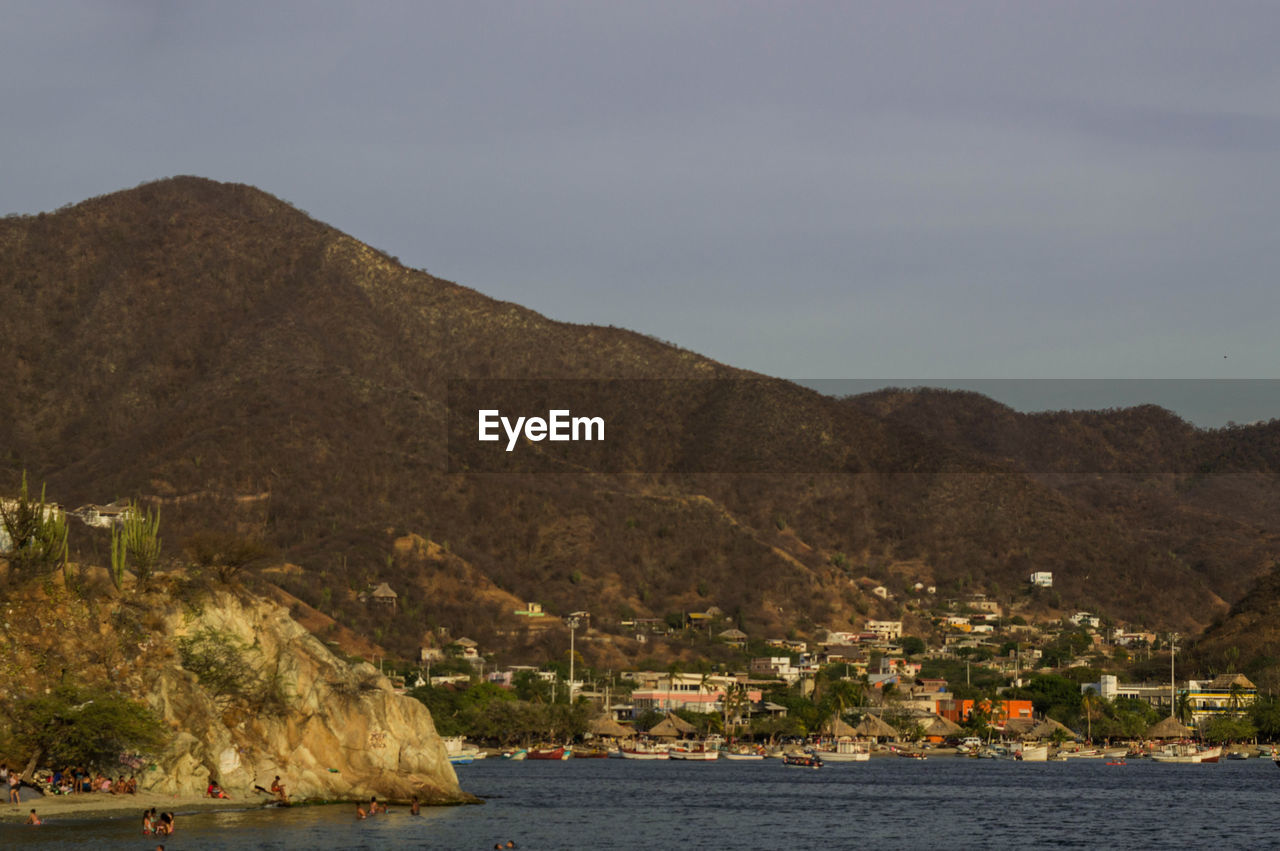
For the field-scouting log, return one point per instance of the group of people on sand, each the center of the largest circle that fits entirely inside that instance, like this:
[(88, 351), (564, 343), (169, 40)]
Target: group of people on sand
[(66, 781), (162, 824)]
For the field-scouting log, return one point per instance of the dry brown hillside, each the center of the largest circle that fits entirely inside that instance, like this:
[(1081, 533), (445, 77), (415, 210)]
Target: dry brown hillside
[(210, 347)]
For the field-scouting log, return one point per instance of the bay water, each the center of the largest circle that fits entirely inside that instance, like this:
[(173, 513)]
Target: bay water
[(884, 803)]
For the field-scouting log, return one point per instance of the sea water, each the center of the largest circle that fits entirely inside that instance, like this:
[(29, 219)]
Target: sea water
[(884, 803)]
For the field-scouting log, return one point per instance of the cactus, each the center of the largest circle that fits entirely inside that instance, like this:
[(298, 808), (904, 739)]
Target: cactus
[(142, 541), (118, 555)]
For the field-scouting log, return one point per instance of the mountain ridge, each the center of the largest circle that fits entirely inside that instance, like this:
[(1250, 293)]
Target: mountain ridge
[(190, 336)]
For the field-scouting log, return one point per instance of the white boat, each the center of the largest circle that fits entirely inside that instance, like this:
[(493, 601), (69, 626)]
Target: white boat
[(693, 751), (1032, 753), (846, 750), (1187, 753), (742, 756), (644, 751)]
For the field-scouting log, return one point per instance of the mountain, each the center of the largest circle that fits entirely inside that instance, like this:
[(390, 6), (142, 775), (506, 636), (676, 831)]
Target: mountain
[(214, 351)]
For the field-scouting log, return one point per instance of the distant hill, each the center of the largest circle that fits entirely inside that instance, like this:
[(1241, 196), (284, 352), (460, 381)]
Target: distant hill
[(214, 350)]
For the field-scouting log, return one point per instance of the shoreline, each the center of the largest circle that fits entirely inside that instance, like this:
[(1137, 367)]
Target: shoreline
[(98, 805)]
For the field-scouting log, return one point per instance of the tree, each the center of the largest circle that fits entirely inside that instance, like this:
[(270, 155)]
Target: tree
[(226, 555), (36, 531), (93, 727), (1265, 715), (913, 645), (1227, 728)]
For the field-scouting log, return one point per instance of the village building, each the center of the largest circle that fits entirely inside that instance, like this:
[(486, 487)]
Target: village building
[(887, 630)]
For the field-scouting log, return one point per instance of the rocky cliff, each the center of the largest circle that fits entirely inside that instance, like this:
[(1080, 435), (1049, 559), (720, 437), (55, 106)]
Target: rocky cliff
[(245, 692)]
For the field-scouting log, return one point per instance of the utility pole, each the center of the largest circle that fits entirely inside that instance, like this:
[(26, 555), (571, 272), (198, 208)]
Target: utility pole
[(572, 622), (1173, 683)]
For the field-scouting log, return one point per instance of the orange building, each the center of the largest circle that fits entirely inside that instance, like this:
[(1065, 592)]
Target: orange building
[(958, 711)]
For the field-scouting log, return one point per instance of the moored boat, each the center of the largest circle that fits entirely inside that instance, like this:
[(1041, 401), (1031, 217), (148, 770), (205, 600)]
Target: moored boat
[(846, 749), (517, 754), (1184, 752), (590, 753), (644, 751), (1032, 753), (549, 753), (693, 752)]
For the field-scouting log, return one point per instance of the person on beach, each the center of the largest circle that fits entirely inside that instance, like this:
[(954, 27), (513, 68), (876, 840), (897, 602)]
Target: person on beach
[(15, 780), (277, 789), (360, 813), (33, 818)]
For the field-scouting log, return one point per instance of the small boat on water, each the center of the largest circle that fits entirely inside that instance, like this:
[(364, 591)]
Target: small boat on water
[(590, 753), (550, 753), (743, 755), (912, 755), (693, 752), (1238, 755), (1185, 752), (518, 753), (641, 750), (846, 749), (804, 760)]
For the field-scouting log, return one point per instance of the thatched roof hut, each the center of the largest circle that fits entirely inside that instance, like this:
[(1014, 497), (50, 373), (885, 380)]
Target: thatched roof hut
[(1019, 726), (838, 727), (941, 728), (672, 727), (876, 728), (1169, 728), (606, 726), (1046, 728)]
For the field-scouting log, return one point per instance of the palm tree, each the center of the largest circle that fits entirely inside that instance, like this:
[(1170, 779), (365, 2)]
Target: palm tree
[(1182, 709), (735, 697)]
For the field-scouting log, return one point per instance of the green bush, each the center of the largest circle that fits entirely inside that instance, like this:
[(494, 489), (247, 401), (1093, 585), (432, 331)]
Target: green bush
[(92, 727)]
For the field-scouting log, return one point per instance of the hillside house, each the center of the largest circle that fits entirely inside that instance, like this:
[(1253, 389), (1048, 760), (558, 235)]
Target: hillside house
[(103, 516), (885, 630), (383, 596), (733, 637), (1042, 579)]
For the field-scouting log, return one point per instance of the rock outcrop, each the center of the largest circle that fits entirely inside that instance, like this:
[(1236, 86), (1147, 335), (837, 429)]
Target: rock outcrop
[(246, 692), (329, 729)]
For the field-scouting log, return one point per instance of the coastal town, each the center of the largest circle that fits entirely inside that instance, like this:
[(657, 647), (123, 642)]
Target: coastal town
[(960, 675)]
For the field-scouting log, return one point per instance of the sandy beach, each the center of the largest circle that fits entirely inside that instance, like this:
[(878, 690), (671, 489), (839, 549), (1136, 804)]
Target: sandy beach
[(105, 805)]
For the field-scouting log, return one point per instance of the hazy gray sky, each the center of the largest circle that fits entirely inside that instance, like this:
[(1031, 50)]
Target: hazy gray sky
[(864, 190)]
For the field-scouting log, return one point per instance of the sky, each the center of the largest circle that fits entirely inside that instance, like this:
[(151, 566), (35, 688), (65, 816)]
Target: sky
[(905, 191)]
